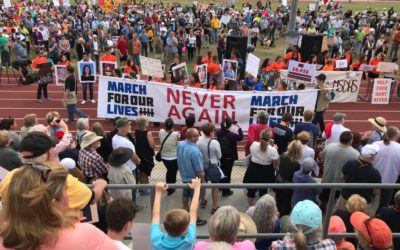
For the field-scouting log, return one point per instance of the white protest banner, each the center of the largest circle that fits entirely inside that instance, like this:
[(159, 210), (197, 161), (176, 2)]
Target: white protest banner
[(7, 3), (252, 65), (341, 64), (387, 67), (346, 84), (151, 67), (56, 3), (381, 91), (301, 71), (158, 101)]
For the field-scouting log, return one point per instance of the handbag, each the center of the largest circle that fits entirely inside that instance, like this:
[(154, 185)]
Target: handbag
[(158, 155)]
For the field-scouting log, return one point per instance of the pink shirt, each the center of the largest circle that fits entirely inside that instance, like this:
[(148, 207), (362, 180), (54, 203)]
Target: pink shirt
[(80, 237), (243, 245)]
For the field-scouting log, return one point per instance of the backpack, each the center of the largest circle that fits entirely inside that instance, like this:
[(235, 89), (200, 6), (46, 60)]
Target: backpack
[(226, 147)]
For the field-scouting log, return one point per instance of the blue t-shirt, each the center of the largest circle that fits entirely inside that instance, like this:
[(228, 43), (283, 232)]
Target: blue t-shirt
[(312, 129), (162, 241), (189, 159)]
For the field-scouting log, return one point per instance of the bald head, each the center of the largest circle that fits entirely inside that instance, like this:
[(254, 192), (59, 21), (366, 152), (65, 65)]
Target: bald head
[(192, 135)]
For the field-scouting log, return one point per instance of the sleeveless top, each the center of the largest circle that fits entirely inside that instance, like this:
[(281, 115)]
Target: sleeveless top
[(142, 147)]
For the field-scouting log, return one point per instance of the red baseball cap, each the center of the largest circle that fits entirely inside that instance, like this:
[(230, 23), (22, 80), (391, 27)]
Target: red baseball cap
[(374, 230), (336, 225)]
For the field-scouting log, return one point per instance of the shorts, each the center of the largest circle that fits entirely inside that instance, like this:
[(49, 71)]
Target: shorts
[(146, 166), (187, 192), (212, 174)]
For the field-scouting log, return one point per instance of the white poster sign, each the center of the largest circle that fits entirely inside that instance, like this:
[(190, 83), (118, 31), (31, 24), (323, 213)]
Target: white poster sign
[(60, 74), (345, 84), (66, 3), (252, 65), (301, 71), (341, 64), (387, 67), (158, 101), (381, 91), (7, 3), (151, 67), (225, 19)]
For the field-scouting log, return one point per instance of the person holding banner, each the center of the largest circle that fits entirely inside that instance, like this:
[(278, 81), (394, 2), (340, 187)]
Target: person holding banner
[(323, 100)]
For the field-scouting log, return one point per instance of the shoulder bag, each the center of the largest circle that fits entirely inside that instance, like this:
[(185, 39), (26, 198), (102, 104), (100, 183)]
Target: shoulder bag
[(158, 155)]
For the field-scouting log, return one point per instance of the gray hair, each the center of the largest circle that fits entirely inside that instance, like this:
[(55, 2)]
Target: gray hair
[(262, 116), (224, 224), (390, 135), (190, 133), (82, 124), (142, 122), (264, 214)]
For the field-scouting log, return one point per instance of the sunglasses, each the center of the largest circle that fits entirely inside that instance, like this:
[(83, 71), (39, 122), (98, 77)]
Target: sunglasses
[(44, 170)]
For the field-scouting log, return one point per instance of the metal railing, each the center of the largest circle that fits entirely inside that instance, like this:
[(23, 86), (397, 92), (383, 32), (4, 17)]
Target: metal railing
[(328, 211)]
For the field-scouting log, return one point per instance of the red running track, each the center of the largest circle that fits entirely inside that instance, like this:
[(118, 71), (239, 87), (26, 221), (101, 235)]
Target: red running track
[(17, 101)]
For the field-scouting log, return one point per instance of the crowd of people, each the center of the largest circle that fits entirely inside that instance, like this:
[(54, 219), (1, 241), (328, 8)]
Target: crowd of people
[(45, 168)]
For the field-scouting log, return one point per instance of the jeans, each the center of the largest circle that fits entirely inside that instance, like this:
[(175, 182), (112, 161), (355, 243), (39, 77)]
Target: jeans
[(144, 49), (190, 53), (214, 35), (172, 170), (84, 87), (319, 119), (71, 108), (136, 58), (5, 59), (41, 88)]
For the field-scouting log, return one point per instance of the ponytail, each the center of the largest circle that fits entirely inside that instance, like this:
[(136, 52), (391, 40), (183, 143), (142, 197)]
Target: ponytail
[(263, 145), (386, 139), (300, 239), (265, 136)]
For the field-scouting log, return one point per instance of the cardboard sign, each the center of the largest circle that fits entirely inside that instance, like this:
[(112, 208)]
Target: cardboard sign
[(366, 67), (151, 67), (341, 64), (381, 91), (387, 67), (252, 65)]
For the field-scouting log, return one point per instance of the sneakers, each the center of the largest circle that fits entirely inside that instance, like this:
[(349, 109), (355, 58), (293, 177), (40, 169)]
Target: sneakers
[(83, 102), (200, 222), (92, 101), (48, 99), (39, 100)]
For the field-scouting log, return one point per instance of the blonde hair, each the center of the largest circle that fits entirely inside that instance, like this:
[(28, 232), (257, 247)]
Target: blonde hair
[(29, 120), (295, 150), (356, 203), (51, 115), (301, 240), (176, 221), (4, 138), (265, 136), (32, 219), (308, 115), (303, 137), (224, 224), (142, 122)]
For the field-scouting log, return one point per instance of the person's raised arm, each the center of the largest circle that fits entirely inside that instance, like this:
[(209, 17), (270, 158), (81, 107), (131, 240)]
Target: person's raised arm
[(195, 185), (160, 189), (98, 188)]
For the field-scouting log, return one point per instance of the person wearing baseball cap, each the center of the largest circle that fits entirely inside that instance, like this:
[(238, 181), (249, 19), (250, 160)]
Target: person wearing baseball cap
[(37, 147), (307, 218), (336, 225), (372, 233), (323, 100), (361, 170)]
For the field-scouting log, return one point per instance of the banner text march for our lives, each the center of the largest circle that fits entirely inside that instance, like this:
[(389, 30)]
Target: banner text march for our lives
[(131, 98)]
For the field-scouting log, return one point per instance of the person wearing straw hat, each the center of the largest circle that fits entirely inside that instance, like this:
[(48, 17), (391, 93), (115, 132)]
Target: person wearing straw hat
[(377, 132), (91, 163), (224, 226), (307, 218)]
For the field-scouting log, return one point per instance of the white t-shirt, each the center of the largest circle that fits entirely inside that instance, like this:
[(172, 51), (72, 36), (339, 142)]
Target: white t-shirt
[(263, 158), (120, 141), (387, 161), (121, 246), (307, 152), (337, 130)]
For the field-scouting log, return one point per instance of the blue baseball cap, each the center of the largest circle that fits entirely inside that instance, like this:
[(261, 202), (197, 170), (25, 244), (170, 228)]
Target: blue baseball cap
[(307, 213)]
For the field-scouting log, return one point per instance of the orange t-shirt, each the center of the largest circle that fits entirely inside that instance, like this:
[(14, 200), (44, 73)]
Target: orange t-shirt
[(328, 68), (289, 56), (207, 60), (108, 58), (268, 68), (196, 85), (213, 87), (355, 66), (213, 68), (66, 63), (277, 65), (374, 62), (39, 60)]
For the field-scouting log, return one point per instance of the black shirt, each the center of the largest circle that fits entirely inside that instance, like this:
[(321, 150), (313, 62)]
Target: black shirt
[(391, 216), (283, 136), (356, 171), (70, 83), (287, 167)]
